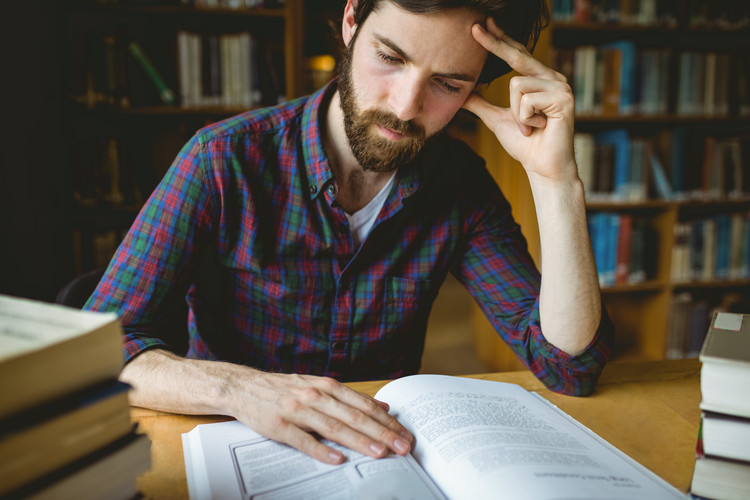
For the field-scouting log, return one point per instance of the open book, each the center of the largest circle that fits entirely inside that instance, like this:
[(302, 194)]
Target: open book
[(474, 439)]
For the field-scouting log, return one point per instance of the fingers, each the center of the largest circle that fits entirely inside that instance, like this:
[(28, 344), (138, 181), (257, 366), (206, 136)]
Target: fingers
[(494, 39), (304, 405)]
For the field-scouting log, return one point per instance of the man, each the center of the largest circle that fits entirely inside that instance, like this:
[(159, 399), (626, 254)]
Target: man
[(329, 223)]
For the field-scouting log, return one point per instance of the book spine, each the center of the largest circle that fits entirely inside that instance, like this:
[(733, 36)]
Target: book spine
[(165, 93)]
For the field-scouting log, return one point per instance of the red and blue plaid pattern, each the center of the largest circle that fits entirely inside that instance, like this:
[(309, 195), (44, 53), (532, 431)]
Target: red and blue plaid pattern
[(244, 226)]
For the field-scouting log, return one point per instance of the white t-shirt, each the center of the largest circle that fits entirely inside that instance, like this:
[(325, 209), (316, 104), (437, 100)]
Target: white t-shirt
[(361, 221)]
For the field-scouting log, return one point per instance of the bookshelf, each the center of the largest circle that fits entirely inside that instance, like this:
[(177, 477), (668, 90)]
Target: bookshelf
[(669, 153), (123, 131)]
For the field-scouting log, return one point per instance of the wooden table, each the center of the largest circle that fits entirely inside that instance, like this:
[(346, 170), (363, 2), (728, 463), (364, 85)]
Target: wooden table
[(648, 410)]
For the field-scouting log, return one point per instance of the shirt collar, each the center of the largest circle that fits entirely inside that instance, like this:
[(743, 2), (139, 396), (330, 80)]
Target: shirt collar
[(318, 170)]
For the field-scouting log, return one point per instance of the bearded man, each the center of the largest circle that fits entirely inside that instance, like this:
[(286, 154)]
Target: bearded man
[(329, 223)]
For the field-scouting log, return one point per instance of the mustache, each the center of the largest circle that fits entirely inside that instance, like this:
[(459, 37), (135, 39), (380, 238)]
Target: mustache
[(408, 128)]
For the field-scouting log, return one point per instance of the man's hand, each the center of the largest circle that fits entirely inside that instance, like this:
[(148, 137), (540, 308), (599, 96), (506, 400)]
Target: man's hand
[(288, 408), (537, 129), (285, 408)]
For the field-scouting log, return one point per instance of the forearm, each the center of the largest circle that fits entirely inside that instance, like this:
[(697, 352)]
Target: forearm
[(283, 407), (166, 382), (570, 299)]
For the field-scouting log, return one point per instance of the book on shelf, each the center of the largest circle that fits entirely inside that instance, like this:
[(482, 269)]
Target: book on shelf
[(725, 371), (218, 70), (474, 439), (621, 79), (76, 349), (712, 248), (166, 94), (39, 440), (669, 13)]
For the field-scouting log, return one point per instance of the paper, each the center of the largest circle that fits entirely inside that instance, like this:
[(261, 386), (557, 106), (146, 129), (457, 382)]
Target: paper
[(230, 461), (475, 440)]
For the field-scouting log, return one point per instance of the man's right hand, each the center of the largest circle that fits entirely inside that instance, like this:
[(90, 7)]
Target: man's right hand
[(285, 408)]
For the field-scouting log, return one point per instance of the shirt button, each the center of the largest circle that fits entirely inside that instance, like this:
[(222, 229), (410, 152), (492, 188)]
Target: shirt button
[(332, 189), (338, 345), (313, 189)]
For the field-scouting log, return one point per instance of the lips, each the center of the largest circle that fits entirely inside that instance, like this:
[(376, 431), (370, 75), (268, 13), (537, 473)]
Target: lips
[(389, 133)]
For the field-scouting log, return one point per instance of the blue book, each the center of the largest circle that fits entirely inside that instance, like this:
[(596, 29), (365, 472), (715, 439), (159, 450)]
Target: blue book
[(613, 231), (628, 74), (723, 245), (620, 139)]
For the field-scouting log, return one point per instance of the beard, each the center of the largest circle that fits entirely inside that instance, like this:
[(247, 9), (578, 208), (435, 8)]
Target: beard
[(373, 152)]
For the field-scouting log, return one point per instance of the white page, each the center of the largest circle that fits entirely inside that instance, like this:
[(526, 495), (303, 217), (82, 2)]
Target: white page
[(481, 439), (228, 460)]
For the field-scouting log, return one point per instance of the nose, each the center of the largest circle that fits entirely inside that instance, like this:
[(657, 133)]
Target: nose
[(406, 98)]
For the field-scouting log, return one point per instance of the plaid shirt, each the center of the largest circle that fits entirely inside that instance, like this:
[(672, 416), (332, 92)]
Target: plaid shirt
[(245, 225)]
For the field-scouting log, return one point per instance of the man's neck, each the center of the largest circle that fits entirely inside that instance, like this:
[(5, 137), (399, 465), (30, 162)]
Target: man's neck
[(356, 187)]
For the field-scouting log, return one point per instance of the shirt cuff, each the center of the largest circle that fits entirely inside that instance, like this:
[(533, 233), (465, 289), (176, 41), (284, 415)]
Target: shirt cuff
[(572, 375)]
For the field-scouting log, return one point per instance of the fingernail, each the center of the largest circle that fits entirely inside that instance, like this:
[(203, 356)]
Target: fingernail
[(335, 457), (406, 436), (377, 448), (401, 446)]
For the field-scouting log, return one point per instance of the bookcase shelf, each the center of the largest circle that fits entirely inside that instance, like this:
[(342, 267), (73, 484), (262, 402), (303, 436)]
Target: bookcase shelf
[(122, 133), (709, 183)]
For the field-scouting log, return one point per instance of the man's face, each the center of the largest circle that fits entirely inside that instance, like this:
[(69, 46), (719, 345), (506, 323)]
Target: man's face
[(404, 79)]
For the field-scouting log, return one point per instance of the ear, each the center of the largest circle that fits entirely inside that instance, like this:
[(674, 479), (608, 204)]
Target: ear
[(348, 26)]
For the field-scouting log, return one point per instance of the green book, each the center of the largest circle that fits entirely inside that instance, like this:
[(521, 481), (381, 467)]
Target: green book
[(166, 94)]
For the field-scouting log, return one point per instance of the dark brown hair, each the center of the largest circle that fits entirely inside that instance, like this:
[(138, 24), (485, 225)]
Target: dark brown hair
[(523, 20)]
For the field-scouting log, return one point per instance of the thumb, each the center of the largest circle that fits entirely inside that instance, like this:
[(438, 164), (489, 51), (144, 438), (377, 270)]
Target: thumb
[(477, 104), (498, 119)]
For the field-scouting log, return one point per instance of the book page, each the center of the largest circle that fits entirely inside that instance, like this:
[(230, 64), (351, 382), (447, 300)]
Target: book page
[(481, 439), (228, 460)]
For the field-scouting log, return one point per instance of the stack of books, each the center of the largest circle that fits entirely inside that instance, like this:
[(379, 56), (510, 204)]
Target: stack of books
[(722, 464), (65, 427)]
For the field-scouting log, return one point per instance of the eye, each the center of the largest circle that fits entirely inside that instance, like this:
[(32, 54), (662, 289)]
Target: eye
[(448, 87), (389, 58)]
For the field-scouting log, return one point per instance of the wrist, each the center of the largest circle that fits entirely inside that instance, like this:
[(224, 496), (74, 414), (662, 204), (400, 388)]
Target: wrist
[(566, 190)]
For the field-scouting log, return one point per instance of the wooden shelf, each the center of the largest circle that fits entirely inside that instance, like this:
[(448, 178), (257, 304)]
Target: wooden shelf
[(641, 312)]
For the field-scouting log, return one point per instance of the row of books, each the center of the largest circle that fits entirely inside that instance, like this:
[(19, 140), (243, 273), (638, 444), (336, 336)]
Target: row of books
[(712, 248), (690, 316), (618, 78), (722, 458), (621, 244), (613, 166), (220, 70), (722, 14), (66, 427), (673, 164), (227, 70)]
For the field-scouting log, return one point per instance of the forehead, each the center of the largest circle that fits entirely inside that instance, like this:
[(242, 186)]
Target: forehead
[(439, 41)]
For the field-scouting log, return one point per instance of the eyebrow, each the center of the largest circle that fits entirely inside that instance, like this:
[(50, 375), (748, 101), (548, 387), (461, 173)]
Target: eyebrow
[(451, 76)]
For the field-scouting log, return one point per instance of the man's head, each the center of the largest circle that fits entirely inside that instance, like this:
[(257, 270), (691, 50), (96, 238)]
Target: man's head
[(522, 20), (407, 68)]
